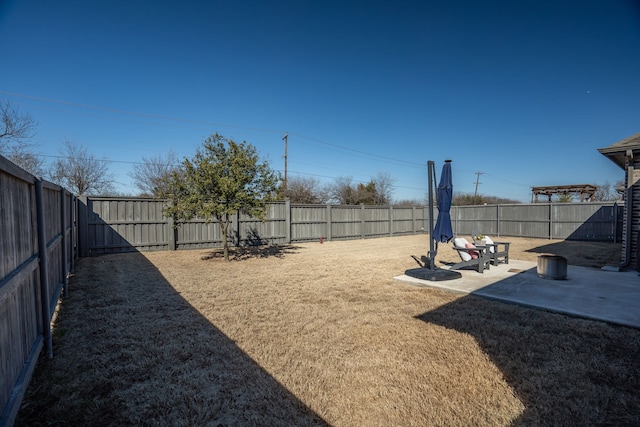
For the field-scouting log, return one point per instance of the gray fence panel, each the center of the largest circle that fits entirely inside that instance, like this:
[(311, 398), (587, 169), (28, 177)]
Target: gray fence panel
[(270, 229), (377, 221), (474, 219), (309, 222), (347, 222), (589, 222), (575, 221), (198, 234), (33, 270), (125, 224), (403, 221)]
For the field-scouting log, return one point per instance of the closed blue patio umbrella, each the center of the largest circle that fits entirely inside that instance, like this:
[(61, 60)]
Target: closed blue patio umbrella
[(443, 231)]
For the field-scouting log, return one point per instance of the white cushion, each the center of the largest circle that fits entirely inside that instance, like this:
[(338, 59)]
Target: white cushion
[(488, 240), (461, 242)]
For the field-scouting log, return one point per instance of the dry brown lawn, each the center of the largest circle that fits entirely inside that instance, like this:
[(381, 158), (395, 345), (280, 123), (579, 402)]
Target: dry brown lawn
[(317, 334)]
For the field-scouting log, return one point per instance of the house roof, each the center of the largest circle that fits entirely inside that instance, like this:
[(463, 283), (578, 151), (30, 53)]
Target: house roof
[(617, 152)]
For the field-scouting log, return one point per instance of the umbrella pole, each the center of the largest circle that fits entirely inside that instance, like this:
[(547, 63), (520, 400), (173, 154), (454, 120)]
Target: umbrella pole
[(432, 252)]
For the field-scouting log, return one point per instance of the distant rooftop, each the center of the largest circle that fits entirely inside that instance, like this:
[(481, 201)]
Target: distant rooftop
[(617, 152)]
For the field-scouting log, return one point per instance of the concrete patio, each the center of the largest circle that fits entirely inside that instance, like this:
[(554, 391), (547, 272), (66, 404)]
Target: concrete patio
[(587, 292)]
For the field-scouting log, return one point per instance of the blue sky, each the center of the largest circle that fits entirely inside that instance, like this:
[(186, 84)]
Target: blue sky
[(524, 91)]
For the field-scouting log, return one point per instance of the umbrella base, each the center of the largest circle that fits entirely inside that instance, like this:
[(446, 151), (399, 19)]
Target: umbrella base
[(435, 275)]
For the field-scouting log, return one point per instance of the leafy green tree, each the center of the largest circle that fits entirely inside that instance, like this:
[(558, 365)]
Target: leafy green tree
[(224, 177), (377, 191), (467, 199), (565, 198), (470, 199)]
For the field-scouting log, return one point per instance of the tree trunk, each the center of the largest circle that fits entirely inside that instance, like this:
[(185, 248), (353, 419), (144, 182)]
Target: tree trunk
[(224, 226)]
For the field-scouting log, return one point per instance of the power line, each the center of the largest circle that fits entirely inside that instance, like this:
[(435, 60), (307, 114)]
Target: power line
[(506, 180), (365, 153), (208, 123), (302, 137), (134, 113)]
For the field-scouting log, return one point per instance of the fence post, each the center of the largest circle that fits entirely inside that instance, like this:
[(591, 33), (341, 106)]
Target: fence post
[(83, 226), (391, 220), (73, 214), (44, 270), (74, 232), (287, 220), (614, 220), (65, 241), (498, 220), (171, 232), (363, 224), (413, 219), (328, 223), (550, 221)]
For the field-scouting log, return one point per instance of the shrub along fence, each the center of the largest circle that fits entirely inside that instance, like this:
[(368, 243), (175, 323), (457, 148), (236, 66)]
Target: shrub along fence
[(109, 225), (37, 251)]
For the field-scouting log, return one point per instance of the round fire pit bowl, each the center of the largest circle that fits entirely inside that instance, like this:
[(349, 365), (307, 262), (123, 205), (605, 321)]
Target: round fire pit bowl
[(552, 267)]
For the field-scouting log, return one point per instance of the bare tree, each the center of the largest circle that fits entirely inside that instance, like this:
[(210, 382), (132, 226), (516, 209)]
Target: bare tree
[(342, 191), (607, 191), (80, 172), (16, 129), (384, 188), (153, 176), (306, 190)]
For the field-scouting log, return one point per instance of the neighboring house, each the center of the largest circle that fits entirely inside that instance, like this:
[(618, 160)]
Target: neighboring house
[(626, 154)]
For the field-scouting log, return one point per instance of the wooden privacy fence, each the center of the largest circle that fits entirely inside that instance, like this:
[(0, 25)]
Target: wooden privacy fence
[(108, 225), (37, 251), (597, 221)]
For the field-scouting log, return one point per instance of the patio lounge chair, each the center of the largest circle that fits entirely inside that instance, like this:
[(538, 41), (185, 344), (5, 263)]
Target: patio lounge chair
[(472, 256), (498, 251)]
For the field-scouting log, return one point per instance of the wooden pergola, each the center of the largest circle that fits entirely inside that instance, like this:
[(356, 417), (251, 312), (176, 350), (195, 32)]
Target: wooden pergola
[(586, 191)]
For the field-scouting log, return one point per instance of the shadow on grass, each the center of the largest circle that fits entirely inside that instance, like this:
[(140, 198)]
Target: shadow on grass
[(241, 253), (585, 254), (129, 350), (566, 371)]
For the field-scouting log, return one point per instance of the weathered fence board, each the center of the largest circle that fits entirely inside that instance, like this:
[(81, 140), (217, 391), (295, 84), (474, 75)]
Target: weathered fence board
[(37, 221)]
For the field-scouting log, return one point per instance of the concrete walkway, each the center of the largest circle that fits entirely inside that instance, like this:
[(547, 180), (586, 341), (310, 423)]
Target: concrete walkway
[(587, 292)]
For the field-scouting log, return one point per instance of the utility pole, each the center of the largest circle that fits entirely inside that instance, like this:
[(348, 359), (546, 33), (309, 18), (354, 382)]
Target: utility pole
[(477, 182), (285, 138)]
